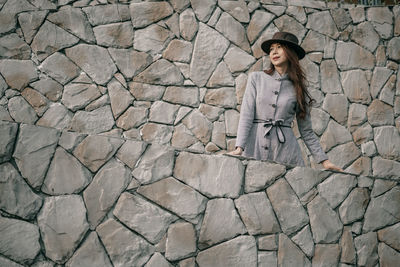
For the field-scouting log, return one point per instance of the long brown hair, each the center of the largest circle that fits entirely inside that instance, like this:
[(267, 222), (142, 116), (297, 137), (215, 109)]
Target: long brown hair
[(298, 78)]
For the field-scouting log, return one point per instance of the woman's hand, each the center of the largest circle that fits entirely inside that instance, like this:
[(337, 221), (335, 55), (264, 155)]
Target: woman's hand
[(330, 166), (237, 152)]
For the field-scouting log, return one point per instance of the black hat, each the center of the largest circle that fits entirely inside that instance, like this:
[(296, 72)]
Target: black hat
[(284, 38)]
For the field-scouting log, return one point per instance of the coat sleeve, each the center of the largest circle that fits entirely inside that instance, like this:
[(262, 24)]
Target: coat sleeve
[(247, 112), (310, 139)]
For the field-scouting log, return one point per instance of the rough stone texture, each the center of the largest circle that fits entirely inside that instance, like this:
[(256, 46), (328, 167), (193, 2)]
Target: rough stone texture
[(152, 39), (181, 241), (203, 173), (8, 133), (367, 249), (135, 213), (355, 86), (143, 14), (387, 255), (335, 188), (158, 260), (198, 124), (161, 72), (241, 251), (348, 254), (391, 236), (354, 206), (96, 121), (259, 175), (104, 191), (349, 55), (325, 223), (305, 241), (21, 111), (387, 140), (77, 96), (287, 207), (302, 180), (62, 223), (326, 255), (289, 254), (123, 246)]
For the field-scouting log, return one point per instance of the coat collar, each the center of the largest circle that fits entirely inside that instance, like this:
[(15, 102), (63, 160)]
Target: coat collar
[(279, 77)]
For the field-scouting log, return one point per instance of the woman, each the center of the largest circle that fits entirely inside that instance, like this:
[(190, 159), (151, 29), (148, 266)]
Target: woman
[(271, 100)]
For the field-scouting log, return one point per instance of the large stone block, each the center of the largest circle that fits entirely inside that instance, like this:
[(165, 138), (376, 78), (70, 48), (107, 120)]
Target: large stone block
[(336, 187), (390, 235), (305, 241), (289, 254), (302, 179), (30, 22), (199, 125), (356, 86), (105, 14), (8, 133), (323, 23), (93, 122), (259, 175), (62, 223), (354, 206), (21, 111), (258, 21), (146, 13), (18, 73), (385, 168), (203, 8), (188, 24), (349, 55), (335, 134), (326, 255), (78, 95), (119, 35), (203, 172), (152, 39), (13, 47), (161, 72), (367, 249), (181, 241), (387, 140), (387, 255), (224, 97), (380, 113)]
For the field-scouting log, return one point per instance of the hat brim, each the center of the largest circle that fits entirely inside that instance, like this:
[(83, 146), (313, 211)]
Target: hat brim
[(265, 46)]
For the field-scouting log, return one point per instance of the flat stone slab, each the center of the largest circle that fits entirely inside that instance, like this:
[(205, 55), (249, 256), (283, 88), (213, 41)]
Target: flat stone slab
[(181, 241), (203, 173), (289, 254), (259, 175)]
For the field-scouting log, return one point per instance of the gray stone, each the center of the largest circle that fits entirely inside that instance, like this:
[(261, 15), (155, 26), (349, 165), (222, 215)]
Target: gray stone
[(181, 241), (158, 260), (357, 116), (330, 77), (51, 38), (96, 121), (311, 71), (61, 236), (119, 35), (95, 150), (156, 163), (65, 175), (198, 124), (33, 152), (57, 116), (289, 254), (163, 112), (356, 86), (348, 254), (315, 42), (357, 14), (152, 39), (130, 152), (319, 119), (393, 48), (203, 8), (387, 140), (341, 17), (135, 250), (224, 97), (388, 91), (298, 13), (336, 187), (238, 252), (36, 100), (13, 47), (182, 137), (132, 117), (161, 72), (385, 168), (104, 190), (266, 259), (258, 22), (90, 253), (361, 166), (289, 24), (349, 56), (105, 14), (202, 172), (304, 240), (212, 113), (323, 23), (368, 149), (178, 50), (268, 242), (353, 207), (367, 249), (16, 197), (188, 24), (146, 13), (221, 76), (257, 214), (380, 113), (387, 255), (390, 236), (218, 136), (49, 88), (325, 224), (365, 35), (135, 213), (326, 255), (188, 96), (237, 9), (176, 197), (382, 211), (238, 60), (157, 133), (143, 91), (302, 179), (291, 214), (231, 122), (8, 133), (336, 105), (78, 95), (69, 140), (30, 22), (18, 73), (74, 21), (120, 97), (381, 186), (233, 30), (266, 34), (179, 5), (335, 134), (19, 240), (21, 111), (94, 60), (379, 77), (203, 64), (130, 62), (344, 154)]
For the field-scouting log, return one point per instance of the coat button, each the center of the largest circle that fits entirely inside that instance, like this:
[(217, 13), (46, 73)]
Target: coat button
[(265, 147), (276, 92), (273, 105)]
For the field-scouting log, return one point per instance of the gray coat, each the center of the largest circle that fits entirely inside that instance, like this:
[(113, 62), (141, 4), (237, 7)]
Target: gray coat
[(268, 109)]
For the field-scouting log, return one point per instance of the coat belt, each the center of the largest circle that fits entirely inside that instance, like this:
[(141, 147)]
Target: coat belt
[(276, 124)]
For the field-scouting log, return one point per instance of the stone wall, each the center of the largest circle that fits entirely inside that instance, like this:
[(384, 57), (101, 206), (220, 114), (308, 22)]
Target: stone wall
[(175, 72), (96, 200)]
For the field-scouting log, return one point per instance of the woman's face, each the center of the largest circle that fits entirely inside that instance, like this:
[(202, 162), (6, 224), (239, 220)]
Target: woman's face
[(277, 55)]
